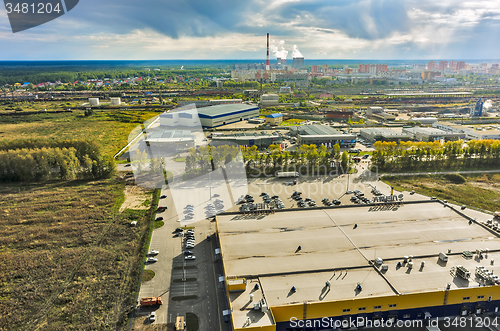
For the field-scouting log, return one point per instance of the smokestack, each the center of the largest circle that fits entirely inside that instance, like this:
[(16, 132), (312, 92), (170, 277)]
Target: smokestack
[(268, 66)]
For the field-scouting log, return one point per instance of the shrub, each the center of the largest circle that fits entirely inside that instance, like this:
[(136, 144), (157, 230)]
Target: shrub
[(456, 178)]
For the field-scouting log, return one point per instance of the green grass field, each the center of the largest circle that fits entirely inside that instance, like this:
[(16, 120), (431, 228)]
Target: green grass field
[(110, 128)]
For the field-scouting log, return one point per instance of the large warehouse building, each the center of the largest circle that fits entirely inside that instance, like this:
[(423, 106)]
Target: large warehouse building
[(214, 116), (431, 134), (384, 134), (322, 134), (247, 139), (320, 269)]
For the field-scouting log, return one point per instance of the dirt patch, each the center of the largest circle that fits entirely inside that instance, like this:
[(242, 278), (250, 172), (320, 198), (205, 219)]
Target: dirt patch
[(136, 197)]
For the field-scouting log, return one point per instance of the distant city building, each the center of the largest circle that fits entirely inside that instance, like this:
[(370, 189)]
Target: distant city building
[(442, 65), (429, 75), (372, 68), (460, 65), (431, 65)]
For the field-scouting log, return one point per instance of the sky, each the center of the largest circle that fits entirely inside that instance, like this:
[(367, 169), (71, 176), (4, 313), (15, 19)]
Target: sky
[(236, 29)]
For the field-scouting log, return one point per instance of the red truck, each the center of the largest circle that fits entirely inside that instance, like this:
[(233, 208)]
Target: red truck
[(150, 301)]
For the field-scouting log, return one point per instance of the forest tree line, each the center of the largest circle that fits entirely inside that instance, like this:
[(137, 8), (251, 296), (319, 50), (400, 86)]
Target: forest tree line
[(45, 159), (434, 156)]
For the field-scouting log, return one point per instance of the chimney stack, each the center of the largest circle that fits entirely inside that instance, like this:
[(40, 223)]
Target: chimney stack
[(268, 66)]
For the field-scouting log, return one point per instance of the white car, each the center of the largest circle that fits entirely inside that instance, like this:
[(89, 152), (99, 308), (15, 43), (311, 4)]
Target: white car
[(190, 257), (152, 316), (151, 260), (153, 252), (189, 246)]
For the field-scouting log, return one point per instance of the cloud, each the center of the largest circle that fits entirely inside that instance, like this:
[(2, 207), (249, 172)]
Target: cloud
[(236, 29)]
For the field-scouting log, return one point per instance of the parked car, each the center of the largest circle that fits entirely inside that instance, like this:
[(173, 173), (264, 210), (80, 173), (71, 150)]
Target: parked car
[(178, 230), (163, 196), (159, 219), (190, 257), (151, 260), (153, 252), (152, 316), (189, 246), (188, 253)]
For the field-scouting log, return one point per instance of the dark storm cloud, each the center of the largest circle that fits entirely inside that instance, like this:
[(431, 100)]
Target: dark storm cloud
[(171, 18), (358, 19)]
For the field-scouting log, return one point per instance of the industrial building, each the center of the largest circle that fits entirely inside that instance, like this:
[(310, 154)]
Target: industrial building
[(247, 139), (384, 134), (450, 127), (269, 100), (322, 134), (470, 133), (94, 101), (274, 119), (481, 135), (214, 116), (380, 114), (168, 142), (207, 103), (300, 79), (425, 120), (337, 115), (432, 134), (319, 269)]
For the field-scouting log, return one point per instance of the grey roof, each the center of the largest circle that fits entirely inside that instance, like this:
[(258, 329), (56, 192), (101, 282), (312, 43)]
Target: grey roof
[(318, 130), (224, 109)]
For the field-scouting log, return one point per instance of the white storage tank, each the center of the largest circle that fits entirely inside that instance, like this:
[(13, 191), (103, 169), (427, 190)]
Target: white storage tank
[(94, 101), (115, 101)]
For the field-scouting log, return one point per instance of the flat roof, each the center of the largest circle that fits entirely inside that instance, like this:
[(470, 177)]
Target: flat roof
[(318, 130), (428, 93), (340, 244), (430, 131), (224, 110)]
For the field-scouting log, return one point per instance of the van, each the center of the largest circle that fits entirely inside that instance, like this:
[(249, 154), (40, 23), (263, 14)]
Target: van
[(443, 257)]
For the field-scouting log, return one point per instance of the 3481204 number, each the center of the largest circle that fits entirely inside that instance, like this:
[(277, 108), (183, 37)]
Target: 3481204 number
[(26, 8)]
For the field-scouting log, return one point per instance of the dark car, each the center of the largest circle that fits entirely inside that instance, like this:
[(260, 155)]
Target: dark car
[(159, 219), (178, 230), (188, 253), (161, 209), (263, 193), (163, 196)]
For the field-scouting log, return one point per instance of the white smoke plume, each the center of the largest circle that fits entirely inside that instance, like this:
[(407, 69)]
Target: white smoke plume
[(296, 52), (278, 49), (487, 104)]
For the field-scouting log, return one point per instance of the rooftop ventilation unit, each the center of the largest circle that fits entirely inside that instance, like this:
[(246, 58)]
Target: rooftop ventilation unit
[(462, 272)]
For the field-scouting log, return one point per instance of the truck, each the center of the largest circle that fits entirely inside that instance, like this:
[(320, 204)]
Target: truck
[(151, 301), (284, 174)]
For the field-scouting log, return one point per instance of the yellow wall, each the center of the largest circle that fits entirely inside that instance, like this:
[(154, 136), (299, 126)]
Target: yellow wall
[(403, 301), (237, 287)]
